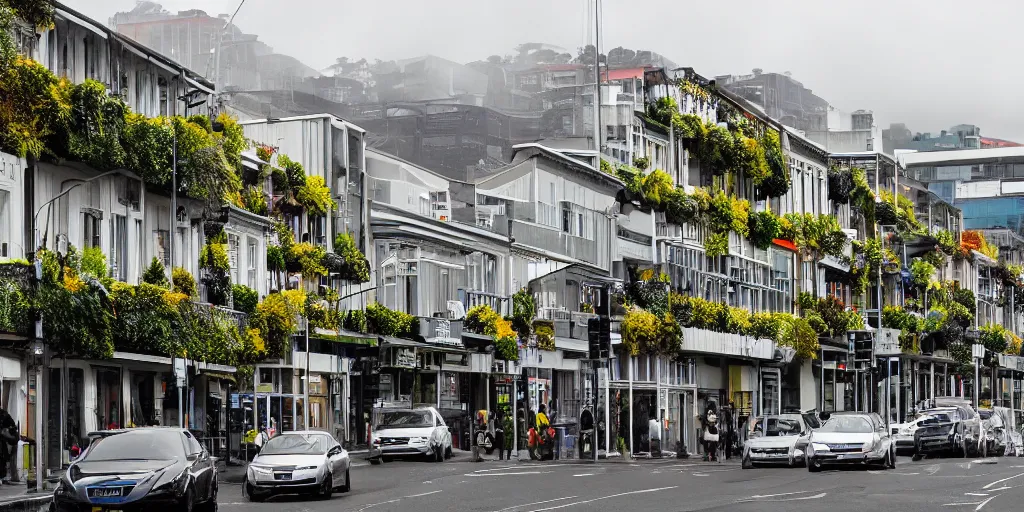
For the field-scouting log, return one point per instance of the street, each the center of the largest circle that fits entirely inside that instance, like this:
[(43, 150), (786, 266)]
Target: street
[(672, 484)]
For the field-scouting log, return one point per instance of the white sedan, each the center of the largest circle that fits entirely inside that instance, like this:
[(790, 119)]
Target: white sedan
[(307, 462)]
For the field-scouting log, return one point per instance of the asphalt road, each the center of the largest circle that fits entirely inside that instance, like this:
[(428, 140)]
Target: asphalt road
[(952, 485)]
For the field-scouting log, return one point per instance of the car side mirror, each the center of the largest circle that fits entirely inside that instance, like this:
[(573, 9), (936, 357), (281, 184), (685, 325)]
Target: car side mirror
[(192, 457)]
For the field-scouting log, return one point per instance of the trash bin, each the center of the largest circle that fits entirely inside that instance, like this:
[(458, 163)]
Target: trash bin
[(29, 461)]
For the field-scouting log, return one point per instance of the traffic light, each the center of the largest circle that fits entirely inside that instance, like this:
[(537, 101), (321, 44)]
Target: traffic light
[(599, 337)]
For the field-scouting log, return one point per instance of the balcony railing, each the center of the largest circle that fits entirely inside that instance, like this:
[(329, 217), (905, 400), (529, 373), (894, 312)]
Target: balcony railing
[(710, 342), (434, 327), (498, 303)]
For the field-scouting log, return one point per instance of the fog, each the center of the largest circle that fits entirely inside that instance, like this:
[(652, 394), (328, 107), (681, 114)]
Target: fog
[(927, 64)]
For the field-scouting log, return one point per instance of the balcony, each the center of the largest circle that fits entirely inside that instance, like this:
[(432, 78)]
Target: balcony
[(498, 303), (440, 330), (717, 343), (631, 249)]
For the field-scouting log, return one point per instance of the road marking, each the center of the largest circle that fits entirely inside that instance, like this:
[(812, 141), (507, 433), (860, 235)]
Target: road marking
[(644, 491), (504, 468), (512, 474), (424, 494), (982, 504), (535, 503), (759, 496), (585, 474), (1003, 480), (1003, 488), (975, 494), (701, 474), (960, 504)]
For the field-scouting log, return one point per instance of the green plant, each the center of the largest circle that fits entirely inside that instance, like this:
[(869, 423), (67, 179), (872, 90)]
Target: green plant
[(641, 162), (15, 308), (275, 315), (946, 242), (275, 259), (306, 258), (254, 200), (184, 282), (356, 268), (640, 330), (656, 188), (387, 322), (777, 182), (523, 311), (145, 319), (155, 274), (507, 348), (545, 332), (764, 227), (921, 272), (798, 334), (315, 196), (245, 299), (840, 185), (94, 262), (293, 171), (354, 320), (78, 322), (716, 244), (670, 336)]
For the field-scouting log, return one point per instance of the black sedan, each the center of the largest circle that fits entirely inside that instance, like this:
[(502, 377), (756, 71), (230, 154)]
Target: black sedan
[(147, 469)]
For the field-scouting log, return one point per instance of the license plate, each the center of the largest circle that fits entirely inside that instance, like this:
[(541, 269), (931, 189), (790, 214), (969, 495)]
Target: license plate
[(283, 476), (840, 456), (99, 509), (105, 492)]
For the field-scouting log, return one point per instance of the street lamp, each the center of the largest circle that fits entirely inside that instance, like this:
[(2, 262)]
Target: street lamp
[(220, 39)]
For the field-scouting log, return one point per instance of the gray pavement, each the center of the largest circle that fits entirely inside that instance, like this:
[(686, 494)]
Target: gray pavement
[(952, 485)]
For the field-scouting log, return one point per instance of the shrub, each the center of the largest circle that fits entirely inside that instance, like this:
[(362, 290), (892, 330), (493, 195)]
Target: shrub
[(155, 274), (545, 331), (355, 321), (356, 268), (640, 331), (387, 322), (315, 197), (245, 298), (307, 259), (94, 262), (507, 348), (184, 282)]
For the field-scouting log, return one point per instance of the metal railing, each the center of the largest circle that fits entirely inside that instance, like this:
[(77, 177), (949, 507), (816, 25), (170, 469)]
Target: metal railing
[(500, 304)]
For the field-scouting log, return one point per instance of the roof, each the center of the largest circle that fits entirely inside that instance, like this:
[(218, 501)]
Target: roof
[(558, 155), (309, 117), (193, 78), (962, 156), (621, 74)]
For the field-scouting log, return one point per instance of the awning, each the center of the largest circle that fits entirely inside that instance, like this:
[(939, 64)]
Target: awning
[(572, 344), (391, 341)]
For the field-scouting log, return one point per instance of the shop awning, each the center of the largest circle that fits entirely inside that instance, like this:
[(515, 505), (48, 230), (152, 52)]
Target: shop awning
[(400, 342), (219, 375)]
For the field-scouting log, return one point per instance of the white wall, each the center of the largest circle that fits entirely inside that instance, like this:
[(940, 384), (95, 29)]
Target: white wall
[(808, 390), (12, 206)]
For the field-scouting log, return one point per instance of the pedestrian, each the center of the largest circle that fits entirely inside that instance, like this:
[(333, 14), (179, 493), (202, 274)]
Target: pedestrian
[(654, 434), (499, 434), (728, 428), (711, 434), (9, 437)]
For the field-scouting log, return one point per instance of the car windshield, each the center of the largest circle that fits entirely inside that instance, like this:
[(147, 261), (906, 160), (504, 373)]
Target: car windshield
[(405, 419), (985, 414), (778, 426), (937, 416), (296, 444), (848, 424), (137, 445)]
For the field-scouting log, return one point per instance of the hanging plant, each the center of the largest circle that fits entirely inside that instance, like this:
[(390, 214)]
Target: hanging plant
[(716, 244), (921, 272), (640, 330), (356, 269), (777, 183), (315, 197), (764, 227), (840, 185)]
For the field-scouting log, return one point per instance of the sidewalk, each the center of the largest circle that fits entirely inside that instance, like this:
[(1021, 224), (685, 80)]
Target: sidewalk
[(16, 497)]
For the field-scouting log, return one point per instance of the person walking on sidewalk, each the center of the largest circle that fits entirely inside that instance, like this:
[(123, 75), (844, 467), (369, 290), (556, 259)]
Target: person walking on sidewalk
[(729, 428), (499, 434), (711, 433)]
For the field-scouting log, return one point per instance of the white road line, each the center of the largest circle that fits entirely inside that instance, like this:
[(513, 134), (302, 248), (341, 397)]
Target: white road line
[(424, 494), (701, 474), (1003, 480), (975, 494), (644, 491), (585, 474), (1003, 488), (779, 500), (982, 504), (512, 474), (759, 496), (960, 504), (504, 468), (535, 503)]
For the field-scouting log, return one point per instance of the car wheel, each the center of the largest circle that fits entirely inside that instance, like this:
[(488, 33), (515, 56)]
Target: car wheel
[(448, 452), (251, 494), (327, 487), (813, 466), (348, 483), (438, 454), (210, 505), (377, 460), (188, 502)]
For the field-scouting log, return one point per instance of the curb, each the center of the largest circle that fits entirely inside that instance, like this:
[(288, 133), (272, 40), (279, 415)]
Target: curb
[(33, 504)]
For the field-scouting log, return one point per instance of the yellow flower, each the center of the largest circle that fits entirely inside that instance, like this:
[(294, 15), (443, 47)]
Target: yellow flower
[(72, 282)]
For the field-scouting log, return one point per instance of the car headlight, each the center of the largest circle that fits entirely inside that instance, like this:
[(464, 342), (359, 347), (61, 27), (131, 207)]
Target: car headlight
[(65, 488), (376, 441), (818, 447), (303, 468), (417, 440), (263, 470)]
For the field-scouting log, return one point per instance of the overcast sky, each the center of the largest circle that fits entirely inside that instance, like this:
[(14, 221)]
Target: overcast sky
[(931, 64)]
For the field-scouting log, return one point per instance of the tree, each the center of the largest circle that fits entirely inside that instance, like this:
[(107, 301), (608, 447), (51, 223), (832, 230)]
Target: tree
[(156, 274)]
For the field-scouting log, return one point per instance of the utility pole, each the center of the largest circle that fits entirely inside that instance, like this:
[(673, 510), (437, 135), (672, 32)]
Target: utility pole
[(597, 81)]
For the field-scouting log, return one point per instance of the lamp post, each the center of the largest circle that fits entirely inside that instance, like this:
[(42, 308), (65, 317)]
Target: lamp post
[(220, 39)]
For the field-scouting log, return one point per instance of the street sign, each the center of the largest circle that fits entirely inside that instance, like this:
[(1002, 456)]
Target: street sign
[(179, 371)]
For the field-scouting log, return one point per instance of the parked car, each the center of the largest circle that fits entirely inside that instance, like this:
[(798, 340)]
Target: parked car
[(993, 430), (851, 438), (304, 462), (952, 430), (154, 468), (903, 433), (397, 432), (776, 439)]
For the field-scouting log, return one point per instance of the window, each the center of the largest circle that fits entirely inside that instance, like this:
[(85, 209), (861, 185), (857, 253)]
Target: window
[(233, 256), (579, 225), (119, 248), (130, 193), (566, 222), (5, 224), (251, 259), (91, 229), (160, 246)]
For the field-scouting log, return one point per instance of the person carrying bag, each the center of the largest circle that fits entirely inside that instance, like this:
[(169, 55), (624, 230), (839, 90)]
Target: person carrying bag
[(711, 436)]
